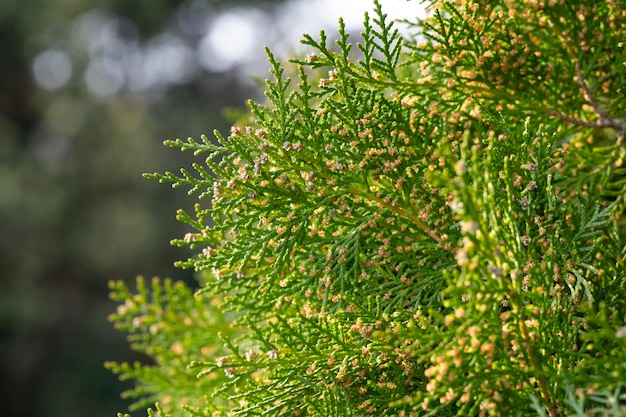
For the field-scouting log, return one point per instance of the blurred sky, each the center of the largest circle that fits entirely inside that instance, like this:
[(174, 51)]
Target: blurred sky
[(229, 39)]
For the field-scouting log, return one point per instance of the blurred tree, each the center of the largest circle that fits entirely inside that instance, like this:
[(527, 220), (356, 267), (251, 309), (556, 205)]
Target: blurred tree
[(80, 83)]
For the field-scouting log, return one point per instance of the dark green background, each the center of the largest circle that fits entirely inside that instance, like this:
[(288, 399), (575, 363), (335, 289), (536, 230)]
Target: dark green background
[(75, 211)]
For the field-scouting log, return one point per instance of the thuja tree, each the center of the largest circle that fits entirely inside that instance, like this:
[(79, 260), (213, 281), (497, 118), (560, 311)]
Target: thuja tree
[(410, 225)]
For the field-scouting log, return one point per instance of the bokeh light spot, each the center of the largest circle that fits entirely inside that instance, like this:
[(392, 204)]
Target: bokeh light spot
[(104, 77), (231, 39), (52, 69)]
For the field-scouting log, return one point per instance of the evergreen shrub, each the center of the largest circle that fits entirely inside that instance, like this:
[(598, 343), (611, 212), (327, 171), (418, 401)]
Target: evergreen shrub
[(420, 224)]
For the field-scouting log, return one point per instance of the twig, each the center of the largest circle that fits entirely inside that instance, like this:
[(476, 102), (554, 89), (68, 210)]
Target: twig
[(587, 94), (596, 124), (603, 121)]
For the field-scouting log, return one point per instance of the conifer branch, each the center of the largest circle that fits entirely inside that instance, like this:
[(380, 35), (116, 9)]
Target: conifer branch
[(407, 215), (328, 290)]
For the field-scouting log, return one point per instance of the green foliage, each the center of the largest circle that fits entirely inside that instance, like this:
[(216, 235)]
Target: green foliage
[(174, 327), (417, 228)]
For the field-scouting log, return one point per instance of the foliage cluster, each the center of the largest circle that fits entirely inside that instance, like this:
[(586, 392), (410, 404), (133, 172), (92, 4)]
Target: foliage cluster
[(423, 225)]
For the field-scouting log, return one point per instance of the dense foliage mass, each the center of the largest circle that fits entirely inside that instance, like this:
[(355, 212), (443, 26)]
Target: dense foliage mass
[(427, 225)]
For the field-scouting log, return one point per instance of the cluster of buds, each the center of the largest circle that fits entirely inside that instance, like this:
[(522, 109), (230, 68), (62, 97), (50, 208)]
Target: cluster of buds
[(295, 146), (261, 160)]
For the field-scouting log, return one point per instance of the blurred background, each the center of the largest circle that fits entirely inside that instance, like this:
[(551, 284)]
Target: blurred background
[(88, 92)]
